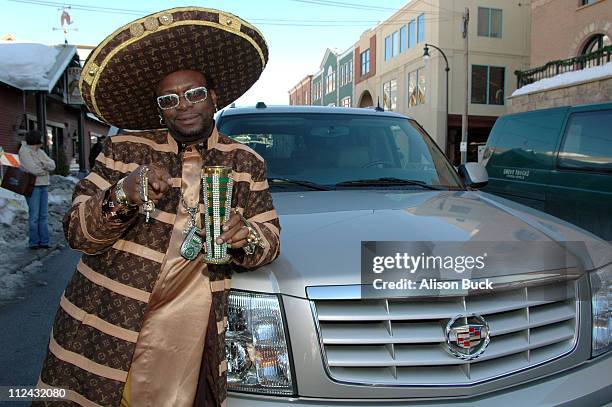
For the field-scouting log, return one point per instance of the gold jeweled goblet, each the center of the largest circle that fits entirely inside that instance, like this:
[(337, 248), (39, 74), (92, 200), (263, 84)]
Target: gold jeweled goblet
[(217, 185)]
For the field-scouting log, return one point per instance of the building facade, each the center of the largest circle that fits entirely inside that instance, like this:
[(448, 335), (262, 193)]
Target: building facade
[(401, 80), (52, 104), (332, 85), (345, 70), (18, 114), (567, 35), (317, 89), (301, 93), (365, 69), (564, 29)]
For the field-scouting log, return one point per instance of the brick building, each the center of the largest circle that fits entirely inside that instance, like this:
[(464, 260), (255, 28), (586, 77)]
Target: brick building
[(38, 89), (567, 28), (365, 68), (300, 94), (566, 36)]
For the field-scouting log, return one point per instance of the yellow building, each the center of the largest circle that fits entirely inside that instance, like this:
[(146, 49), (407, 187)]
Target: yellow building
[(391, 70)]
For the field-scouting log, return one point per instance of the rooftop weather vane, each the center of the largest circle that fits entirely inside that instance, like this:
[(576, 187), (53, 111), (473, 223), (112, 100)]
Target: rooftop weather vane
[(65, 22)]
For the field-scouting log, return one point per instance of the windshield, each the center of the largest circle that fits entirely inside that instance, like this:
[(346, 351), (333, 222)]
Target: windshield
[(331, 149)]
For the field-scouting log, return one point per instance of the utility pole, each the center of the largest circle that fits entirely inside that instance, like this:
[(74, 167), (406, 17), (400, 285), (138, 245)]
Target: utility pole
[(464, 117)]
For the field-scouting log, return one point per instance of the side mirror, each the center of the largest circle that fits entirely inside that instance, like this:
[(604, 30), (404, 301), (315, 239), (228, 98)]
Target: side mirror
[(473, 174)]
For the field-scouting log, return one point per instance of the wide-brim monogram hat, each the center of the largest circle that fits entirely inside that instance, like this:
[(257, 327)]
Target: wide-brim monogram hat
[(120, 75)]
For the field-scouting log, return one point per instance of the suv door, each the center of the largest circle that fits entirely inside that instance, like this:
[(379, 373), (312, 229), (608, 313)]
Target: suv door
[(580, 186), (522, 148)]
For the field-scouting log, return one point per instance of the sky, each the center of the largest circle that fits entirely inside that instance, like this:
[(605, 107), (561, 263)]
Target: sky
[(297, 31)]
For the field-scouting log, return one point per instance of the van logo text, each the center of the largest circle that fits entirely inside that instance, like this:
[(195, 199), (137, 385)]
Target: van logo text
[(515, 173)]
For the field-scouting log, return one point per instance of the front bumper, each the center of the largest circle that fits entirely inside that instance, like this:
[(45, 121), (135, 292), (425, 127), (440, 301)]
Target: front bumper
[(590, 384)]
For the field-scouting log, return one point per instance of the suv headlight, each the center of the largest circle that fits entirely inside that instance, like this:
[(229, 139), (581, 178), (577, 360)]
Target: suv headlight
[(601, 300), (256, 346)]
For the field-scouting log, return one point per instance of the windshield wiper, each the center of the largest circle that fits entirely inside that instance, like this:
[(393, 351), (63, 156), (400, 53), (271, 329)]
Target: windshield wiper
[(307, 184), (387, 181)]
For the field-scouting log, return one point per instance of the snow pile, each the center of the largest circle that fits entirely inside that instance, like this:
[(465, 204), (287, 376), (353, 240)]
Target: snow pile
[(566, 79), (10, 204), (17, 262), (27, 65), (10, 283), (61, 189)]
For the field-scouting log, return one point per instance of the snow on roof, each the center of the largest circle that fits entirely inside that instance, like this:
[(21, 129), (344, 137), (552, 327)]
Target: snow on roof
[(30, 66), (566, 79)]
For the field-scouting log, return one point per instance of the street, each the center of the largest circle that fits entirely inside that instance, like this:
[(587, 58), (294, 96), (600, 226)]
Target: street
[(26, 322)]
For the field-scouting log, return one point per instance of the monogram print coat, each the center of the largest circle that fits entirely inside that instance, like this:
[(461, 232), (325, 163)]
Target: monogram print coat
[(101, 312)]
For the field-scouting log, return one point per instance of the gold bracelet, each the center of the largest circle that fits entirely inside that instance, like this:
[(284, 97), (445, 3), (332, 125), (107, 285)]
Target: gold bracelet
[(116, 212), (120, 195), (254, 240)]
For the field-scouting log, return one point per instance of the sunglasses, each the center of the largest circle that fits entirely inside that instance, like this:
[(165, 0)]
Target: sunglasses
[(172, 100)]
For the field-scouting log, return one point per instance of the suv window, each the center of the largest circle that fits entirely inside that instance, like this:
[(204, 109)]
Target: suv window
[(328, 149), (528, 139), (588, 141)]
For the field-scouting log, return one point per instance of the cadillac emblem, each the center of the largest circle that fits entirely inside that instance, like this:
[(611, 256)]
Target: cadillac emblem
[(467, 336)]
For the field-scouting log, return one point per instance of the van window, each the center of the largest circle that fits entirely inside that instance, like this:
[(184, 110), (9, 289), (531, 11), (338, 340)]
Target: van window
[(588, 142), (528, 139)]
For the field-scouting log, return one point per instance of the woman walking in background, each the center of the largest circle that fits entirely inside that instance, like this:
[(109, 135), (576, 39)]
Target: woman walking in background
[(35, 161)]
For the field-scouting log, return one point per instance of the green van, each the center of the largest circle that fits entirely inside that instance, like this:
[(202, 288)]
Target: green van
[(556, 160)]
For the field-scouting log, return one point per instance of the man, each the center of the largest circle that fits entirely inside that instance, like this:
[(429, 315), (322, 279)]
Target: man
[(139, 324)]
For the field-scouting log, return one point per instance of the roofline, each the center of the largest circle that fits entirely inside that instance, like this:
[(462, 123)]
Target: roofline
[(349, 50), (12, 85), (60, 66), (301, 83), (328, 50), (406, 8), (325, 56), (61, 63)]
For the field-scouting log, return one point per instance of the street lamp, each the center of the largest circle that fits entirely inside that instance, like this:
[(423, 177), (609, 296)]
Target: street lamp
[(426, 57)]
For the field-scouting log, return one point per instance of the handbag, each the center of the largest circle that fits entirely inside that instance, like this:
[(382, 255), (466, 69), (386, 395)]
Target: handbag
[(18, 181)]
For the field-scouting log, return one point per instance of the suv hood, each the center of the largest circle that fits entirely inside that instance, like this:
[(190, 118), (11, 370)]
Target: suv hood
[(322, 231)]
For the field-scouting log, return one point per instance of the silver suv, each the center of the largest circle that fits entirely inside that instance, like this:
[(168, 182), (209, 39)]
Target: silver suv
[(301, 333)]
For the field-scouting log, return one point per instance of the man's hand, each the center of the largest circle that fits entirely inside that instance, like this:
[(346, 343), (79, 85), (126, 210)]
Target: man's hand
[(234, 232), (159, 183)]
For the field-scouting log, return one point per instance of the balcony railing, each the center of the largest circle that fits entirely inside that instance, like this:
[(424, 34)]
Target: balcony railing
[(553, 68)]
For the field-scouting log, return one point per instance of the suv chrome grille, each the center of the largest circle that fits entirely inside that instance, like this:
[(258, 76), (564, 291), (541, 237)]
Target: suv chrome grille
[(402, 342)]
